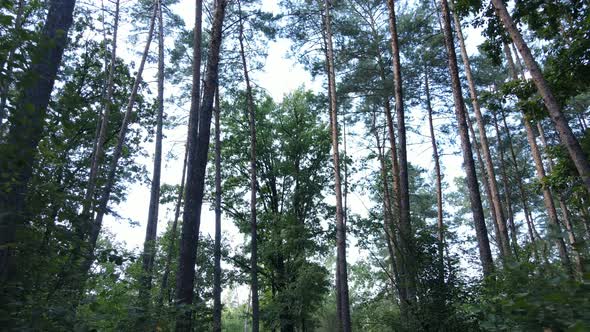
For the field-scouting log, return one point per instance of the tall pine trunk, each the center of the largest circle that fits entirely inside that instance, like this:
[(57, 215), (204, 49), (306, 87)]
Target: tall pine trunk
[(104, 199), (566, 134), (253, 226), (406, 236), (341, 268), (553, 227), (102, 136), (485, 253), (437, 172), (26, 130), (217, 244), (195, 186), (190, 217), (149, 245), (503, 239)]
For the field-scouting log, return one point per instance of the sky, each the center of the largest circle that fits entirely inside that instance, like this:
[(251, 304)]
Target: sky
[(280, 76)]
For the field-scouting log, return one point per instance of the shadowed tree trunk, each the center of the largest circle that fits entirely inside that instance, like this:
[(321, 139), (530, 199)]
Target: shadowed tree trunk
[(253, 226), (568, 139), (26, 129), (342, 287), (500, 219), (217, 244), (196, 174), (485, 254), (408, 273)]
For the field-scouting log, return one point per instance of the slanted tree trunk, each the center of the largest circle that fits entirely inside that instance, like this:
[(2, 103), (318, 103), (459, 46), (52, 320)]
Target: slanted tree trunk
[(437, 172), (503, 238), (506, 184), (340, 226), (579, 266), (566, 135), (554, 229), (523, 196), (26, 130), (405, 226), (149, 245), (253, 225), (99, 147), (196, 175), (486, 183), (104, 199), (485, 253), (217, 244), (173, 232)]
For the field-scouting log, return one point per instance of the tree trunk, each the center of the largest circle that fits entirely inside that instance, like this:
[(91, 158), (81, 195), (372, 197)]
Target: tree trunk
[(437, 172), (468, 163), (553, 227), (87, 204), (26, 130), (557, 117), (489, 166), (579, 266), (149, 245), (173, 231), (340, 226), (217, 244), (196, 172), (486, 183), (190, 217), (523, 196), (104, 199), (406, 236), (506, 184), (253, 225)]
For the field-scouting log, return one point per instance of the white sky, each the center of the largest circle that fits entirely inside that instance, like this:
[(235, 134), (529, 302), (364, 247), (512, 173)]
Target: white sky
[(281, 76)]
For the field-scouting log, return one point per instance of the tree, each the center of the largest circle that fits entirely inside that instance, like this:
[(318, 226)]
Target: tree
[(468, 163)]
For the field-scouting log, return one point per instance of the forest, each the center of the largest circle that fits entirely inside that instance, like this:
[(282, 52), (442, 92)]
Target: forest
[(430, 172)]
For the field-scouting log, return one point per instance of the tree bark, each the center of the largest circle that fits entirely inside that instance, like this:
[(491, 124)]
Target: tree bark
[(566, 135), (26, 130), (340, 226), (503, 238), (468, 163), (217, 244), (406, 236), (253, 225), (196, 175), (149, 245)]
